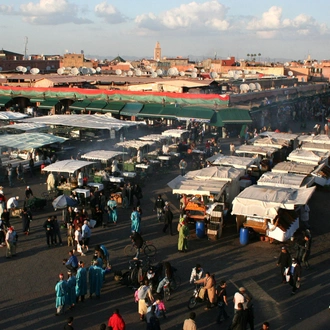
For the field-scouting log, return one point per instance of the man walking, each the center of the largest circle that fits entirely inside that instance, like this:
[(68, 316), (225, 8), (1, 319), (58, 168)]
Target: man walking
[(222, 301), (183, 165), (48, 225), (81, 282), (295, 274), (85, 234), (61, 290), (159, 207), (284, 262), (168, 219)]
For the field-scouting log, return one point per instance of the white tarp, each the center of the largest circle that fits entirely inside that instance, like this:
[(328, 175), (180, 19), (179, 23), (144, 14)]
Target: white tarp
[(322, 175), (28, 141), (102, 155), (26, 126), (255, 150), (233, 161), (67, 166), (308, 156), (264, 202), (291, 167), (134, 144), (96, 121), (280, 135), (181, 185), (270, 142), (322, 147), (285, 180), (153, 137), (216, 173), (323, 139), (10, 115), (175, 132)]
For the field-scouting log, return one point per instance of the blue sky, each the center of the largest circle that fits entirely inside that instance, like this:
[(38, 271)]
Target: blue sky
[(289, 29)]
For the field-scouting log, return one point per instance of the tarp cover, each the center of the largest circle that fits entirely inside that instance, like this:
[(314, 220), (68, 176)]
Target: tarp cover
[(103, 155), (175, 132), (215, 173), (323, 147), (26, 126), (255, 150), (182, 185), (67, 166), (285, 180), (27, 141), (271, 142), (134, 144), (153, 137), (260, 201), (96, 121), (307, 156), (322, 138), (280, 136), (233, 161), (10, 115), (291, 167)]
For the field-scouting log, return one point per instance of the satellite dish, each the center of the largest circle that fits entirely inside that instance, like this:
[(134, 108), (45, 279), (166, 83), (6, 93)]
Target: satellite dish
[(118, 72), (244, 87), (182, 73), (60, 71), (19, 68), (194, 70), (124, 74), (202, 70), (246, 71), (47, 68), (258, 86), (92, 71), (253, 72), (130, 73), (290, 73), (213, 75), (236, 76), (252, 86), (138, 73), (84, 70), (34, 71), (74, 71), (24, 69), (194, 75), (159, 72), (286, 64), (170, 72), (98, 69), (154, 75)]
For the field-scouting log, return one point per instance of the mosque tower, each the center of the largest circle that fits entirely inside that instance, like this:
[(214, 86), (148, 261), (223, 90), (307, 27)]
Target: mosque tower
[(157, 52)]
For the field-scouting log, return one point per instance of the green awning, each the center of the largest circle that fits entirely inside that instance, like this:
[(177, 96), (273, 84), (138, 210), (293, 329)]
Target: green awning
[(96, 105), (131, 109), (48, 103), (195, 113), (80, 105), (155, 110), (114, 107), (36, 100), (231, 116), (169, 111), (4, 100)]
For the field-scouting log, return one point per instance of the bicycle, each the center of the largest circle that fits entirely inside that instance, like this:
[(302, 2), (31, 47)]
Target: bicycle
[(171, 286), (148, 249)]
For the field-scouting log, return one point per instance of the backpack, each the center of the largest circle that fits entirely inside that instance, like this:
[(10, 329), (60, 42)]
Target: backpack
[(142, 292)]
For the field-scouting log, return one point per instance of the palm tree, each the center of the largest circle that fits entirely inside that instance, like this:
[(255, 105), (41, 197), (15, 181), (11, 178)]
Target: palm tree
[(259, 54), (248, 55)]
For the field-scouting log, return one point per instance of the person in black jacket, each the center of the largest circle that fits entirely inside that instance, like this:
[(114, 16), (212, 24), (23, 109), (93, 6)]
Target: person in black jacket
[(295, 274), (284, 261), (168, 219), (159, 207)]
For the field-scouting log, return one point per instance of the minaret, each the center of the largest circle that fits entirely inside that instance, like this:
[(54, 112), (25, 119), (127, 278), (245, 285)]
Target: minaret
[(157, 52)]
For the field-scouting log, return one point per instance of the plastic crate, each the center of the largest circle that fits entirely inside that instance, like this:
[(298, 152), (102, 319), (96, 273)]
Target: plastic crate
[(216, 219), (213, 226)]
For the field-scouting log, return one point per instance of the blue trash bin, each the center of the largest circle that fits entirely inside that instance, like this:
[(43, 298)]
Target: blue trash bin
[(200, 229), (244, 236)]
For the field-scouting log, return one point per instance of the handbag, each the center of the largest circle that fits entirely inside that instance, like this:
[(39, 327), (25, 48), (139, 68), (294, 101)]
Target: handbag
[(298, 284), (79, 249)]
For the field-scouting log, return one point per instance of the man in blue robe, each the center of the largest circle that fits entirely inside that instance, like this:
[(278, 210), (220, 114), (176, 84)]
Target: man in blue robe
[(61, 290), (96, 276), (71, 290), (81, 282)]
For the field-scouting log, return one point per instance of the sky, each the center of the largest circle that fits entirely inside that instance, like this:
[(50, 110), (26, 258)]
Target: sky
[(277, 29)]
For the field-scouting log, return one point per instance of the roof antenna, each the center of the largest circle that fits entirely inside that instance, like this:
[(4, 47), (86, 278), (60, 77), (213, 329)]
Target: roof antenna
[(26, 49)]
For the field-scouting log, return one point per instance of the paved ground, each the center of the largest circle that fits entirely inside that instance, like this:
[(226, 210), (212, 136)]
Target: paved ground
[(27, 298)]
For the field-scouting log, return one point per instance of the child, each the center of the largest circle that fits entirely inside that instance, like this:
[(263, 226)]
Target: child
[(160, 308), (70, 234)]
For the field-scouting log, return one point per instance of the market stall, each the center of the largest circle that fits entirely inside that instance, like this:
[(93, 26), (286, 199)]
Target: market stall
[(322, 175), (241, 163), (270, 211), (292, 167), (285, 180), (308, 157)]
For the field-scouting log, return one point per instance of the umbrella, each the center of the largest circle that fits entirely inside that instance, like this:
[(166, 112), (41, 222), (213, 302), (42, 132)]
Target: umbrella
[(61, 202)]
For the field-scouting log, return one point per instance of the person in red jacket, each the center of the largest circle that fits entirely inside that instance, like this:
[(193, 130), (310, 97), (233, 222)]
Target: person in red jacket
[(116, 322)]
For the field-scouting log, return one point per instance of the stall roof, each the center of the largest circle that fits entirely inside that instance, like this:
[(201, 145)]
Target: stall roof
[(255, 150), (96, 105), (231, 116), (233, 161), (324, 139), (134, 144), (131, 109), (271, 142), (264, 202), (27, 141), (114, 107), (280, 135), (182, 185), (67, 166), (155, 110), (10, 115), (308, 156), (4, 100), (25, 126), (153, 137), (215, 173), (285, 180), (48, 103), (200, 114), (323, 147), (80, 105), (175, 132), (96, 121), (103, 155), (292, 167)]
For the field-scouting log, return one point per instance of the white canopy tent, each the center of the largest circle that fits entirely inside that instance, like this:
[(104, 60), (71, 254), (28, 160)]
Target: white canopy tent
[(285, 180), (322, 175), (102, 155), (280, 135), (136, 144), (308, 156), (271, 142), (154, 137), (255, 150), (67, 166), (242, 163), (28, 141), (322, 138), (10, 115), (264, 201), (96, 121), (292, 167), (26, 127), (322, 147), (175, 132)]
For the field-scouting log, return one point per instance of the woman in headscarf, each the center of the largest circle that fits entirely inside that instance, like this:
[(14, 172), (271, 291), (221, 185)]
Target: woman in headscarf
[(183, 236)]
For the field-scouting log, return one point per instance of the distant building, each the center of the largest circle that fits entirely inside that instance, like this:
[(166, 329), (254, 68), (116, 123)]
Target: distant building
[(157, 52), (10, 56)]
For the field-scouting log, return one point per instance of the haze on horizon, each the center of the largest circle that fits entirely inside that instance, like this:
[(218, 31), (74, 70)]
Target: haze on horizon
[(203, 28)]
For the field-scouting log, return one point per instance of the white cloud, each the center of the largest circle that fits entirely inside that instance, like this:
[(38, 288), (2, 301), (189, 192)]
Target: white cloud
[(109, 13), (271, 19), (211, 15), (49, 12), (267, 34), (6, 9)]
